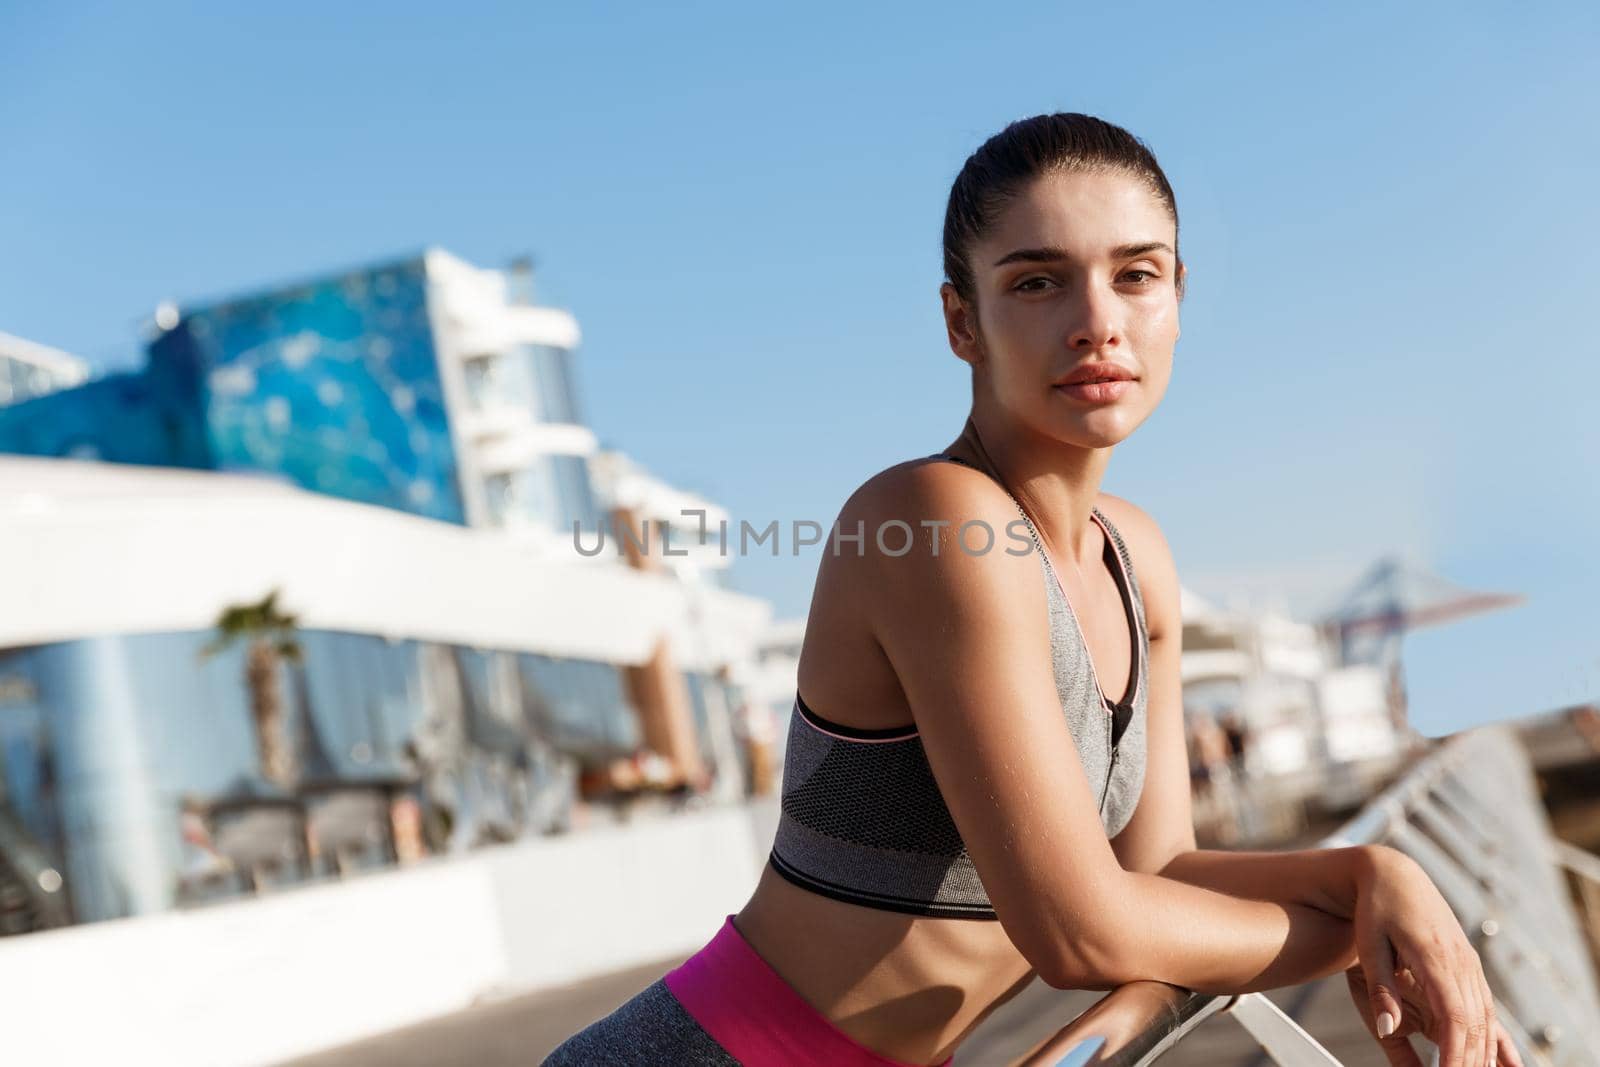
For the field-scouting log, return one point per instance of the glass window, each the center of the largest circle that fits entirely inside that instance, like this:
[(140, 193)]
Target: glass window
[(27, 771), (554, 492), (534, 378), (502, 379), (526, 497), (362, 695), (477, 371), (552, 372), (580, 706), (493, 710), (576, 492), (702, 688)]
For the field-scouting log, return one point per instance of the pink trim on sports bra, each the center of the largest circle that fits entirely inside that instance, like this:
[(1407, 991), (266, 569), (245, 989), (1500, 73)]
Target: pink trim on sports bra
[(755, 1015), (850, 733)]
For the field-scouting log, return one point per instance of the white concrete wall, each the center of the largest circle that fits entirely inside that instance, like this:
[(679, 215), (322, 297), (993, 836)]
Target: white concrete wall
[(118, 549), (259, 981)]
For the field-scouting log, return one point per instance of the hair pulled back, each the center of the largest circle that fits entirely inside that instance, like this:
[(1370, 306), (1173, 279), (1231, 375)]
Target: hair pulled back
[(1005, 163)]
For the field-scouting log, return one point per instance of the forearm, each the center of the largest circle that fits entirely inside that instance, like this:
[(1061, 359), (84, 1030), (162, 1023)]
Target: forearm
[(1321, 878), (1213, 942)]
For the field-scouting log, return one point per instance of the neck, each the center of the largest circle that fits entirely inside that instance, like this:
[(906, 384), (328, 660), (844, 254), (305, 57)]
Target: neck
[(1056, 483)]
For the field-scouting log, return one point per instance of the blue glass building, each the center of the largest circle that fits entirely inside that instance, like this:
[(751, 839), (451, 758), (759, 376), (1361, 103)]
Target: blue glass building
[(334, 386)]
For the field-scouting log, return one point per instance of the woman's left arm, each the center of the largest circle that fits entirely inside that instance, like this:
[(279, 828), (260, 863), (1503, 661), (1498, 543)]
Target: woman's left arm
[(1162, 826), (1328, 879), (1398, 919), (1159, 839)]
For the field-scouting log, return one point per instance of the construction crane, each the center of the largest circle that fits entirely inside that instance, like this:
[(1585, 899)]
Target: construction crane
[(1391, 598)]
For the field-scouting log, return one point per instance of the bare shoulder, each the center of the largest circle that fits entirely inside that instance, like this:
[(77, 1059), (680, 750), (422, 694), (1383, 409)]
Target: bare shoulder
[(896, 592), (925, 523), (1153, 566), (925, 489)]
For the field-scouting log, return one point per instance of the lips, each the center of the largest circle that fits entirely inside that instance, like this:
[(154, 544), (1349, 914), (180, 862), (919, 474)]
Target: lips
[(1096, 392), (1097, 372)]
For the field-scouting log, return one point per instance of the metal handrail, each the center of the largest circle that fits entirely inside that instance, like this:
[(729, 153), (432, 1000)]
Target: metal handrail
[(1469, 814), (1133, 1023)]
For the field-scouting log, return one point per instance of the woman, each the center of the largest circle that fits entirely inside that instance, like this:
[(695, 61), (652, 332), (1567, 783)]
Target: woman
[(967, 804)]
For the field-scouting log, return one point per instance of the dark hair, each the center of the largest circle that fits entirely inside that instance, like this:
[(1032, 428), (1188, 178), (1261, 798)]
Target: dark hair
[(1006, 162)]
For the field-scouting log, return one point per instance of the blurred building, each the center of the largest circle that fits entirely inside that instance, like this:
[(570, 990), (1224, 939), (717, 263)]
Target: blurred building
[(400, 452), (777, 673), (1302, 706), (28, 370), (1312, 731), (671, 531)]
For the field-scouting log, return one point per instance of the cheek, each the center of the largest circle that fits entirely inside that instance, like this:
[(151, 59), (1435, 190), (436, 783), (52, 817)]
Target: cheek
[(1157, 332), (1013, 341), (1029, 335)]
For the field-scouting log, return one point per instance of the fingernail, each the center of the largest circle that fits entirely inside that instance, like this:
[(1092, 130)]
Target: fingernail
[(1385, 1024)]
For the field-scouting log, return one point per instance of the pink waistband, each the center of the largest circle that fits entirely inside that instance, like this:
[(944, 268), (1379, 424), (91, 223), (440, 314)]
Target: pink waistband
[(749, 1009)]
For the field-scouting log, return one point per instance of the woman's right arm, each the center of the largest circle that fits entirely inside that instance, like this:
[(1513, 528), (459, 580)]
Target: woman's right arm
[(968, 637)]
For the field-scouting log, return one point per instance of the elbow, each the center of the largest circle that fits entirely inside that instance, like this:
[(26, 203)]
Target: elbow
[(1088, 939), (1086, 964), (1100, 954)]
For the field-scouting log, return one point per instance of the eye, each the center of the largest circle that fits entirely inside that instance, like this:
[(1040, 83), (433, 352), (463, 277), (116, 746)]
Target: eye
[(1145, 276), (1027, 286)]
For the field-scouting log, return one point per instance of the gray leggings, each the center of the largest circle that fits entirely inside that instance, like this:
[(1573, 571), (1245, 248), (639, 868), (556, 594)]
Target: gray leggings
[(650, 1029)]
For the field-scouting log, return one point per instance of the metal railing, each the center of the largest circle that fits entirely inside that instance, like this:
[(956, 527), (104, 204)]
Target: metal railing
[(1470, 815)]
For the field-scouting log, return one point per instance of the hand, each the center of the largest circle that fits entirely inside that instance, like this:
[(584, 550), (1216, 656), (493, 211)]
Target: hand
[(1403, 925), (1417, 1019)]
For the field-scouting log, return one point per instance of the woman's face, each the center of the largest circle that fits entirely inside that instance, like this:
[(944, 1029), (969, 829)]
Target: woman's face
[(1078, 269)]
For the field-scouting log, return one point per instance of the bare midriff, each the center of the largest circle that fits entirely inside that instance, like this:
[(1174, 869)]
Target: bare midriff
[(907, 987)]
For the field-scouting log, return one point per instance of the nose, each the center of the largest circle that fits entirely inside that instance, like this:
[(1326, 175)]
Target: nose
[(1094, 323)]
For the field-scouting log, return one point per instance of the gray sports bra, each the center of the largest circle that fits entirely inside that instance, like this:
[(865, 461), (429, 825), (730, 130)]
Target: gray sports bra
[(862, 819)]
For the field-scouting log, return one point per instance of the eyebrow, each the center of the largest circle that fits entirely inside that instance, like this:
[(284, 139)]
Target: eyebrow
[(1053, 255)]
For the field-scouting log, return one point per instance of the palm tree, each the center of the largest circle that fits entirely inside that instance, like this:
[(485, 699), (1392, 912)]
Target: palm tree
[(271, 639)]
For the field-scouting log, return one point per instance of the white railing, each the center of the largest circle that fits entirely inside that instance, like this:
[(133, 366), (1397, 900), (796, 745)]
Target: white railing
[(1471, 816)]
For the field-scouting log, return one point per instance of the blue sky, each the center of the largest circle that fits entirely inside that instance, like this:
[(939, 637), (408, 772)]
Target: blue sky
[(1388, 212)]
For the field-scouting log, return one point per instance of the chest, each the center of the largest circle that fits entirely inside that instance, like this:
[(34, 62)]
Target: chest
[(1104, 618)]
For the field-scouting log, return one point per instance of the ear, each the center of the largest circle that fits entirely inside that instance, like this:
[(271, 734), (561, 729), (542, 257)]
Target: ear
[(961, 326), (1183, 285)]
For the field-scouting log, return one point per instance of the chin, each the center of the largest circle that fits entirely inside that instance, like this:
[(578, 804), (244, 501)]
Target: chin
[(1101, 426), (1106, 440)]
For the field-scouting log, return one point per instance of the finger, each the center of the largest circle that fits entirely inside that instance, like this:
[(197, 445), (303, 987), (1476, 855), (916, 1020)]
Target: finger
[(1377, 964), (1475, 1051), (1414, 996), (1482, 1036), (1357, 983), (1410, 988), (1466, 1011), (1448, 1008), (1491, 1019), (1395, 1048), (1485, 998), (1506, 1048)]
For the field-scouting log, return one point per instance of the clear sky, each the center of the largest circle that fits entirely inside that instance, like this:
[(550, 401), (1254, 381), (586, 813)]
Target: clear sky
[(1389, 214)]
